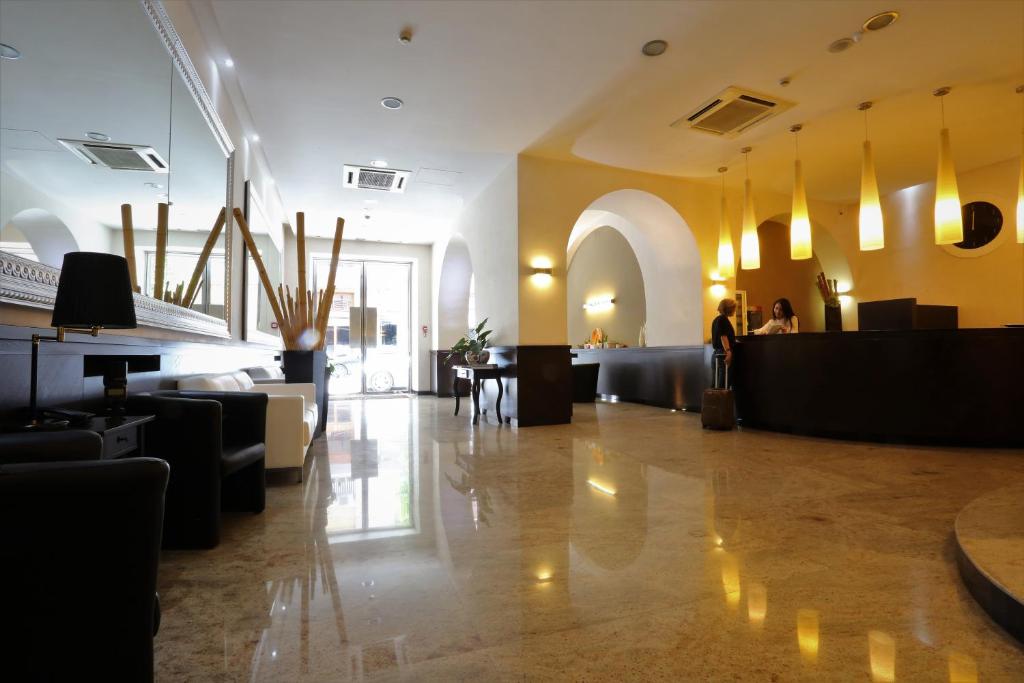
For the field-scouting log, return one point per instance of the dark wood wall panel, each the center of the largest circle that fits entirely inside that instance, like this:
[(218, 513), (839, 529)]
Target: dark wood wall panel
[(62, 366), (665, 376), (540, 392)]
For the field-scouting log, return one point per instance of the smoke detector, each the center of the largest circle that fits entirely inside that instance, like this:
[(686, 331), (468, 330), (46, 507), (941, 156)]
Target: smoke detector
[(731, 112), (379, 179)]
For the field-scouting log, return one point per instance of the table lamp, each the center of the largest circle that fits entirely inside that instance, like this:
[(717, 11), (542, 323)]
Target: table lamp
[(94, 292)]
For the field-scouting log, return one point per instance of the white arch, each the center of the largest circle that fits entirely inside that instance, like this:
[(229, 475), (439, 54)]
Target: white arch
[(453, 292), (49, 237), (668, 256)]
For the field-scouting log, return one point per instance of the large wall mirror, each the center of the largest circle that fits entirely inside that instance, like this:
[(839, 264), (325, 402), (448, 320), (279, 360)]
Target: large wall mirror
[(268, 234), (103, 108)]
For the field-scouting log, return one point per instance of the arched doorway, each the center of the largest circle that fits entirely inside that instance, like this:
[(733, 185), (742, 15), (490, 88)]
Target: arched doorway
[(605, 288), (48, 236), (453, 294), (666, 252)]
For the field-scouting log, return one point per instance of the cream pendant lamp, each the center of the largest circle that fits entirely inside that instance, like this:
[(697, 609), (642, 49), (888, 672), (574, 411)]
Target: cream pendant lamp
[(726, 255), (799, 221), (872, 228), (750, 248), (1020, 183), (949, 221)]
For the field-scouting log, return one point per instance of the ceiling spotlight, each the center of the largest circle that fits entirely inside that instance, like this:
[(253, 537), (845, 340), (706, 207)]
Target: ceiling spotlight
[(99, 137), (405, 37), (880, 21), (841, 45), (379, 163), (162, 195), (229, 63), (653, 48), (255, 138), (391, 103), (154, 186), (9, 51)]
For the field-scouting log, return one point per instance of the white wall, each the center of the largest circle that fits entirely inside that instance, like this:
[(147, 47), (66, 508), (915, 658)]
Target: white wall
[(490, 226), (604, 265), (417, 254)]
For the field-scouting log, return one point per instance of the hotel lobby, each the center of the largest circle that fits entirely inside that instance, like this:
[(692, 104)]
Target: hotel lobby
[(445, 340)]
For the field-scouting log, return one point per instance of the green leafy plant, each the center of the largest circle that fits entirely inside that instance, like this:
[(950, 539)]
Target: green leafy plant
[(474, 341)]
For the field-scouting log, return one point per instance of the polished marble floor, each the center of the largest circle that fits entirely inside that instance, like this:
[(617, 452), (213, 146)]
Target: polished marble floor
[(630, 545)]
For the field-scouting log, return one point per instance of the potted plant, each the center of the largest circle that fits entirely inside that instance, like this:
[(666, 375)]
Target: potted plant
[(473, 345)]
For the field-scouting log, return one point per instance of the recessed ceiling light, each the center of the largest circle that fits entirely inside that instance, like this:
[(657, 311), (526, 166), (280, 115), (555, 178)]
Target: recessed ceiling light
[(162, 195), (379, 163), (99, 137), (391, 103), (9, 51), (880, 21), (155, 186), (229, 63), (653, 48), (841, 45), (255, 138)]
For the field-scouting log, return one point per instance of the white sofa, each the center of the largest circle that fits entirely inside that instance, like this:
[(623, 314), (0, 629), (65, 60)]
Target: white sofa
[(291, 414)]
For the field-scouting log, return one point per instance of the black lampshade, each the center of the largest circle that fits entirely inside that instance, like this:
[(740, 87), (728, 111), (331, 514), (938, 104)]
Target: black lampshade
[(95, 290)]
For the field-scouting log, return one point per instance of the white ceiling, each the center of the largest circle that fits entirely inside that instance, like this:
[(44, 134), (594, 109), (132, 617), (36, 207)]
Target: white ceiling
[(483, 81), (101, 66)]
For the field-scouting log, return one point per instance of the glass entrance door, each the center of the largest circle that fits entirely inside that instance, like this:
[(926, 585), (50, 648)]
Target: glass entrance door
[(369, 344)]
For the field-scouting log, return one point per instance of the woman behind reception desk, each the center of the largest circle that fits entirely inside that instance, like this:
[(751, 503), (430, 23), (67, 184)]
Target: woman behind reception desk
[(784, 320)]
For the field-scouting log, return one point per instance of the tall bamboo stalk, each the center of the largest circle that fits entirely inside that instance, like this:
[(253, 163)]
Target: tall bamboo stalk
[(197, 274), (128, 235), (161, 249), (300, 256), (243, 227)]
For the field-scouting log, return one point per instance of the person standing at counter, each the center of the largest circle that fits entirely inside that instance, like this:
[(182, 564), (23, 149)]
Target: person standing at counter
[(723, 338), (784, 320)]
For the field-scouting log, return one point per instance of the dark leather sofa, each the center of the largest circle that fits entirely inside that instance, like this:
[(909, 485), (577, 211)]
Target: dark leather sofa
[(214, 442), (79, 551)]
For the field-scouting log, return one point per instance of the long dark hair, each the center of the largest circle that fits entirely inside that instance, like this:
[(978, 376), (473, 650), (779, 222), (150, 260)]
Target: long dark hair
[(787, 308)]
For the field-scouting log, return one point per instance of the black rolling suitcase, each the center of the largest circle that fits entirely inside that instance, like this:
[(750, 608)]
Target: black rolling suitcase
[(718, 410)]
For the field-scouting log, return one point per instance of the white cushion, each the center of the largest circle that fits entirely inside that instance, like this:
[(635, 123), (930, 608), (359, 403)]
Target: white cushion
[(243, 380), (208, 383)]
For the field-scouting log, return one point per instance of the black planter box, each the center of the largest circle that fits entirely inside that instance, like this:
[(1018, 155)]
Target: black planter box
[(309, 367)]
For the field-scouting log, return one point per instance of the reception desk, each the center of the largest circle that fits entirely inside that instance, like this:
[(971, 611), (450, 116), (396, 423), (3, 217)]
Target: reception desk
[(955, 387), (665, 376)]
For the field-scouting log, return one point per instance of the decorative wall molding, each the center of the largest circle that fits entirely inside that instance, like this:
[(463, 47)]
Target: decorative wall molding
[(28, 283), (183, 63)]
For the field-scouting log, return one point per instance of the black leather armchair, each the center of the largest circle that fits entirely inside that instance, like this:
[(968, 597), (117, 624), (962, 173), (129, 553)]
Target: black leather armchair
[(214, 442), (79, 551)]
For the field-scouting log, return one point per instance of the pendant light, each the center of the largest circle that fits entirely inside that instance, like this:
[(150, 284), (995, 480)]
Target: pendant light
[(949, 221), (750, 248), (1020, 183), (800, 221), (872, 229), (726, 255)]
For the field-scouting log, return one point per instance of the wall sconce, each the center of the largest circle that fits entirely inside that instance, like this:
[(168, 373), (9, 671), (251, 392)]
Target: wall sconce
[(718, 290), (601, 487), (541, 272), (600, 304)]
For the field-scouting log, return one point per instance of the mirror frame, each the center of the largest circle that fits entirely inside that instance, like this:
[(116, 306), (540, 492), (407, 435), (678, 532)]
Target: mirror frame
[(28, 283)]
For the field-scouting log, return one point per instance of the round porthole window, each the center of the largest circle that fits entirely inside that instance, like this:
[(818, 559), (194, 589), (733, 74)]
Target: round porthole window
[(982, 223)]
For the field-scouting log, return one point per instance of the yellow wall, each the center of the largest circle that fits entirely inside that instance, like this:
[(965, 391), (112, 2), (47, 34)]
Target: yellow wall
[(989, 289), (553, 194)]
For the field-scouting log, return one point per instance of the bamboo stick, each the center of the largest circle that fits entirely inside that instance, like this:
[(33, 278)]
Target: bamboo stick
[(204, 256), (321, 323), (128, 235), (300, 255), (189, 302), (161, 249), (177, 293), (261, 269), (286, 323)]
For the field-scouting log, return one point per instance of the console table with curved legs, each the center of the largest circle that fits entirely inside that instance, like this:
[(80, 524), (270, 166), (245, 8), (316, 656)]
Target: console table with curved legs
[(477, 374)]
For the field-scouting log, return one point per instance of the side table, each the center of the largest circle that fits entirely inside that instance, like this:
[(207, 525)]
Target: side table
[(477, 374), (122, 436)]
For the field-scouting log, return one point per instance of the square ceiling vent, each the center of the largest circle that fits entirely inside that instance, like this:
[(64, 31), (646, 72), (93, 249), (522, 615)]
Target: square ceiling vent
[(379, 179), (116, 155), (732, 112)]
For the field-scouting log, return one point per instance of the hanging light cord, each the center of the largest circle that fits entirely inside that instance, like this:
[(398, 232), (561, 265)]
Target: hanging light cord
[(942, 109), (865, 125), (746, 165)]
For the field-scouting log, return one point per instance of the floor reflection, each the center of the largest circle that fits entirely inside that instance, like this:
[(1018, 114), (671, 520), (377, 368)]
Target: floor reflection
[(419, 547)]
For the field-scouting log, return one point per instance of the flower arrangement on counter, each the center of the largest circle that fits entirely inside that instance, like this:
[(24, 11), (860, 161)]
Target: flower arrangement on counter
[(473, 345)]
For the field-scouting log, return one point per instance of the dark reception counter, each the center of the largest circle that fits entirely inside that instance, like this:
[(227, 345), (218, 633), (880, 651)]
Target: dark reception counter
[(665, 376), (957, 387)]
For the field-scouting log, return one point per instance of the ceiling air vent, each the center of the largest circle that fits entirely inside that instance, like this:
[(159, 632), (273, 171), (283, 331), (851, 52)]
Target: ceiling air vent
[(118, 156), (731, 112), (383, 179)]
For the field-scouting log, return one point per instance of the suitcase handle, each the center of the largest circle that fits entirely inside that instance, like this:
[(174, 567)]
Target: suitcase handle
[(714, 380)]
